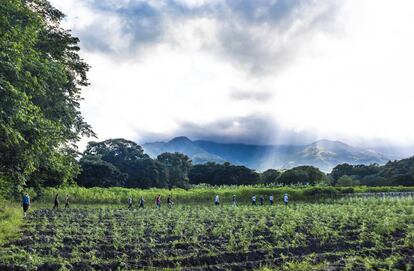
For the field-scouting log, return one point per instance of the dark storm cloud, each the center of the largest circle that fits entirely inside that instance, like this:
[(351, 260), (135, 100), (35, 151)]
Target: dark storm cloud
[(256, 129), (139, 22), (253, 35)]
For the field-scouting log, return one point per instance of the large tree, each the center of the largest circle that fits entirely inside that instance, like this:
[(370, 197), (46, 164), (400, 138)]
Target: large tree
[(126, 157), (219, 174), (41, 76), (99, 173), (302, 175), (178, 166), (116, 151)]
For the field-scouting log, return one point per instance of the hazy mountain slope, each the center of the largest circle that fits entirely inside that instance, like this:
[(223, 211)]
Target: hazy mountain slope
[(324, 154), (184, 145)]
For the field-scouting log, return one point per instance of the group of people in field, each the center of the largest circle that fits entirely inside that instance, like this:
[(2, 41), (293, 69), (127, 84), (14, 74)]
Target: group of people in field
[(253, 200), (157, 202), (56, 204), (26, 201)]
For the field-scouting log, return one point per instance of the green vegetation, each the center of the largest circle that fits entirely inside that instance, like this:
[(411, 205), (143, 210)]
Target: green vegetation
[(41, 75), (363, 234), (205, 194), (11, 218), (392, 173)]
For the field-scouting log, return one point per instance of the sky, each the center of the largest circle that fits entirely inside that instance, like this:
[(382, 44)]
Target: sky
[(257, 72)]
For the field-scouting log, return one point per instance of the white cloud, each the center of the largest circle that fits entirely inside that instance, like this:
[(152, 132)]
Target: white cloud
[(327, 69)]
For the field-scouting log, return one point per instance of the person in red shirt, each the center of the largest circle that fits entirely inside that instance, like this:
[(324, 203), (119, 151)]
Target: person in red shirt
[(158, 201)]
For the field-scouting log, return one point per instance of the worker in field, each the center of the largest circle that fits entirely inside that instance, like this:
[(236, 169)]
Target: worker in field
[(254, 200), (56, 205), (286, 199), (216, 200), (26, 204), (271, 199), (234, 200), (129, 203), (141, 202), (158, 201), (169, 201), (261, 199), (67, 202)]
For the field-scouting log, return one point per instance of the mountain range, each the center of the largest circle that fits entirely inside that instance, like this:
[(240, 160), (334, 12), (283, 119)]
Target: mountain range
[(324, 154)]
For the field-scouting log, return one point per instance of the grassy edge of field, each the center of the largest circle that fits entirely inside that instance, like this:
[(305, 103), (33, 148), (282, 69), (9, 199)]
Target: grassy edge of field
[(119, 195), (11, 219)]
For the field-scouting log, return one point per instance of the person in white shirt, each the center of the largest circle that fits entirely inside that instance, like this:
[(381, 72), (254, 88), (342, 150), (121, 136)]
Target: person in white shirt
[(216, 200), (254, 200), (271, 199)]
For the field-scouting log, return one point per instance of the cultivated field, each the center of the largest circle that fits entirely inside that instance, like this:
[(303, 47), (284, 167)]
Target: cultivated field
[(362, 234)]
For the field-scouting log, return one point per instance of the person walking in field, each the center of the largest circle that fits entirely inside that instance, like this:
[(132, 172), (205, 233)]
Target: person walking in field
[(158, 201), (286, 199), (141, 202), (129, 203), (26, 204), (271, 199), (261, 199), (254, 200), (56, 206), (234, 200), (216, 200), (169, 201), (67, 202)]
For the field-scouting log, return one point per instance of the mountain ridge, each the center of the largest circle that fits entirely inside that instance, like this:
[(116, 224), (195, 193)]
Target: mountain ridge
[(324, 154)]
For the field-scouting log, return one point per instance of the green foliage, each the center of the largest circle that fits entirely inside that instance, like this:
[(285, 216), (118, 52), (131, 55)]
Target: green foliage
[(120, 162), (41, 76), (205, 194), (302, 175), (96, 172), (346, 180), (270, 176), (222, 174), (178, 165), (11, 218), (115, 151), (393, 173)]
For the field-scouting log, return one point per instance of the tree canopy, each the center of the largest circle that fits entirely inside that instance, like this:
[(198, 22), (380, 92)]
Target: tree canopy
[(392, 173), (302, 175), (218, 174), (41, 77)]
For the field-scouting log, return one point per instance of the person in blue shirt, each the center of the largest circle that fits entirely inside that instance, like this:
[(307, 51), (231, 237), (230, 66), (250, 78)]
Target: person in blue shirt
[(261, 199), (26, 204), (286, 199)]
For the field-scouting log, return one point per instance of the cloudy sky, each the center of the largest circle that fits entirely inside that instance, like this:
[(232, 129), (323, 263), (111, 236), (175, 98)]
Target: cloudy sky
[(262, 71)]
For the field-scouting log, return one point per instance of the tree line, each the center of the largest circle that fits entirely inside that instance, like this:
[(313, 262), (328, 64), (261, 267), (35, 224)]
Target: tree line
[(119, 162)]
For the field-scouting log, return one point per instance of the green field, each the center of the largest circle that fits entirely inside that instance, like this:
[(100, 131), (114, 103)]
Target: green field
[(362, 234)]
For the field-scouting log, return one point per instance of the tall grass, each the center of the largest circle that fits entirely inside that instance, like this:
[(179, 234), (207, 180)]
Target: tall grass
[(11, 218), (200, 194)]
